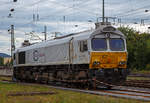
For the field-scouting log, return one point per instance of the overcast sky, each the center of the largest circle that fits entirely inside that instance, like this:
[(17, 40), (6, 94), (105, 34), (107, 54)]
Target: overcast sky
[(51, 13)]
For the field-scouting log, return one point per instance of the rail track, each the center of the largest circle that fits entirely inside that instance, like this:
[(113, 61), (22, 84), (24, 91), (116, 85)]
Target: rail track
[(138, 83), (119, 92), (129, 83)]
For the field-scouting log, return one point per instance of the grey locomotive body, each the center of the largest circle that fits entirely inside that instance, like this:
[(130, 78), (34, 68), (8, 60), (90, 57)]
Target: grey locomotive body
[(98, 54)]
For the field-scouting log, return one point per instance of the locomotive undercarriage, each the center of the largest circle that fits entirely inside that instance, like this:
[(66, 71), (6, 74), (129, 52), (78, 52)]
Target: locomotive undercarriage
[(70, 75)]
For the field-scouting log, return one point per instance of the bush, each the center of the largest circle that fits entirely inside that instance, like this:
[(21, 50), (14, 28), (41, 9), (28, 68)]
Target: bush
[(147, 67)]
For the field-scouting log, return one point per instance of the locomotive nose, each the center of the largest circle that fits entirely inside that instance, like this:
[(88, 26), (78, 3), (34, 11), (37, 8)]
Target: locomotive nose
[(108, 60)]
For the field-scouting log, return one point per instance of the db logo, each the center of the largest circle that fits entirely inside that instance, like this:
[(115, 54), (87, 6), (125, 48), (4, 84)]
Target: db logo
[(35, 55)]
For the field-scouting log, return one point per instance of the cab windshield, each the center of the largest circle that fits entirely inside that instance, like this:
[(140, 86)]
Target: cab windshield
[(99, 44), (116, 44)]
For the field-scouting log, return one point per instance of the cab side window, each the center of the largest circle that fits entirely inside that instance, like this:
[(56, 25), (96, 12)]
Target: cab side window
[(22, 58), (83, 46)]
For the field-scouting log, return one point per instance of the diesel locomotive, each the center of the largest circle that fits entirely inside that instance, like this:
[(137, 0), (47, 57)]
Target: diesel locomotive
[(80, 58)]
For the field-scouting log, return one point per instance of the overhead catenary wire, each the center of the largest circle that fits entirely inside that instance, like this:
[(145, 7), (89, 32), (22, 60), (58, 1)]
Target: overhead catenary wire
[(31, 22), (64, 5), (5, 3), (85, 10), (57, 3), (54, 2), (40, 1), (31, 5), (130, 12), (78, 11), (61, 4)]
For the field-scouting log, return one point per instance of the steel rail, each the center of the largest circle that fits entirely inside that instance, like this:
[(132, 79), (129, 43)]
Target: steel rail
[(119, 93)]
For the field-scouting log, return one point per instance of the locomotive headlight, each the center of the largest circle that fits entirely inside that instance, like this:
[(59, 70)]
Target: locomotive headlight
[(95, 63), (122, 62)]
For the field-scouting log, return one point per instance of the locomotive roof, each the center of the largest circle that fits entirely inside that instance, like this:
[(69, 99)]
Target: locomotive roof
[(58, 40), (65, 39)]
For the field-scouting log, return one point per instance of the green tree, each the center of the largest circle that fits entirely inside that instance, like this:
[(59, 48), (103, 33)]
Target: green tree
[(138, 46)]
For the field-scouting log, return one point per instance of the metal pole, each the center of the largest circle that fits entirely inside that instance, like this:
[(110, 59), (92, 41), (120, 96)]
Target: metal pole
[(114, 20), (64, 18), (45, 32), (12, 39), (107, 19), (141, 21), (33, 17), (103, 11), (38, 17), (120, 22)]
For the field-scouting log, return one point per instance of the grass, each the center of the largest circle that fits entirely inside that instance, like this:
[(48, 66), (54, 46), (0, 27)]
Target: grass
[(5, 78), (135, 71), (61, 96), (137, 78), (140, 71)]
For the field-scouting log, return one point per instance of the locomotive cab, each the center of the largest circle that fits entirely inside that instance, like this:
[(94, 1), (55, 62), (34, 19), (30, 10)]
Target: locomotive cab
[(108, 56)]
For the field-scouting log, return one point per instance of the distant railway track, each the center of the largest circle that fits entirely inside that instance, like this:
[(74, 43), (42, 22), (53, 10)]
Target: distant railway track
[(5, 75), (139, 75), (138, 83), (4, 67)]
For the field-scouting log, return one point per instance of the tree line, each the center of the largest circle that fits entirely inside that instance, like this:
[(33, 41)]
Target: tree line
[(8, 64), (138, 45)]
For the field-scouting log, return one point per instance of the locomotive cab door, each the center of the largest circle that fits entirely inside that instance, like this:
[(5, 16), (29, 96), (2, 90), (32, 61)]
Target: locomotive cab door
[(71, 51)]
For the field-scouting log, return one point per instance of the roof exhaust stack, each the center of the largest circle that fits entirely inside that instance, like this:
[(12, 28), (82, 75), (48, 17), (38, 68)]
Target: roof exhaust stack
[(26, 43), (99, 24)]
